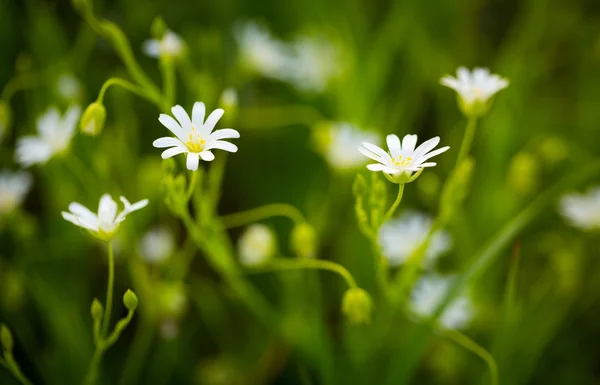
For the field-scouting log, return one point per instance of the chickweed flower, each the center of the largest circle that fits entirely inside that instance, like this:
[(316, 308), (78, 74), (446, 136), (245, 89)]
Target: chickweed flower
[(403, 163), (103, 225), (256, 245), (428, 294), (157, 245), (337, 141), (171, 45), (194, 136), (399, 238), (13, 188), (474, 89), (55, 134), (582, 210)]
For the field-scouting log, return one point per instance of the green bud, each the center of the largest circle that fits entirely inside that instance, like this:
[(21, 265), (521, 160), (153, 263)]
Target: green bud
[(92, 121), (304, 240), (96, 310), (130, 300), (158, 28), (6, 338), (357, 306)]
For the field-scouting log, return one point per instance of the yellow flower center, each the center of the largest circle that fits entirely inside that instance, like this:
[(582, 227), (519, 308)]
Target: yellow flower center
[(402, 161), (195, 143)]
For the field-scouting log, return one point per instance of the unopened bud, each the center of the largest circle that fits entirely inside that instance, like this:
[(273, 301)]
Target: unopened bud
[(130, 300), (96, 310), (158, 28), (92, 121), (304, 240), (6, 338), (357, 306)]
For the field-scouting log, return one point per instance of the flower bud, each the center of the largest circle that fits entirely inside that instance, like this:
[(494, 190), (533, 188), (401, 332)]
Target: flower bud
[(158, 28), (92, 121), (357, 306), (130, 300), (6, 338), (304, 240), (96, 310)]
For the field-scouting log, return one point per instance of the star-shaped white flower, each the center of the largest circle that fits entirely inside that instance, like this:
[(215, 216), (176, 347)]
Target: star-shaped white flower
[(170, 45), (13, 188), (473, 87), (55, 134), (195, 137), (582, 210), (404, 159), (104, 224)]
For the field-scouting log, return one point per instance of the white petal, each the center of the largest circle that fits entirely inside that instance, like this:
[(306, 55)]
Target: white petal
[(212, 120), (433, 153), (381, 167), (426, 146), (450, 82), (81, 211), (377, 152), (408, 144), (167, 141), (139, 205), (463, 75), (173, 126), (31, 150), (48, 124), (86, 224), (107, 209), (393, 143), (207, 156), (173, 151), (221, 145), (198, 113), (151, 48), (69, 123), (192, 161), (226, 133), (182, 117)]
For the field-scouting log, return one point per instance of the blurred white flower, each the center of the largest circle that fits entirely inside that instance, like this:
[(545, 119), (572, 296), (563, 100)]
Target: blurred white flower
[(229, 98), (582, 210), (403, 160), (315, 63), (430, 292), (13, 188), (338, 141), (476, 86), (157, 245), (399, 238), (68, 86), (105, 224), (195, 136), (55, 134), (170, 45), (261, 52), (256, 245)]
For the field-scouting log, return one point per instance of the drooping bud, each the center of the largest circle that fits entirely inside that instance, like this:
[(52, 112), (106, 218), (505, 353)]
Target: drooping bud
[(130, 300), (357, 306), (92, 121), (303, 240), (6, 338), (96, 310)]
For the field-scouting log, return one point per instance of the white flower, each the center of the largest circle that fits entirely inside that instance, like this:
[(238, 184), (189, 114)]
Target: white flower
[(427, 296), (170, 45), (13, 188), (68, 86), (338, 141), (399, 238), (256, 245), (261, 52), (402, 160), (476, 86), (157, 245), (581, 210), (55, 134), (195, 136), (105, 224), (315, 63)]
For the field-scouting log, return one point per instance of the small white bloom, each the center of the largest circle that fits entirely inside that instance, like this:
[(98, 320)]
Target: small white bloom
[(399, 238), (256, 245), (403, 160), (476, 86), (13, 188), (195, 137), (338, 141), (105, 224), (315, 63), (55, 134), (157, 245), (68, 86), (582, 210), (170, 45), (427, 296)]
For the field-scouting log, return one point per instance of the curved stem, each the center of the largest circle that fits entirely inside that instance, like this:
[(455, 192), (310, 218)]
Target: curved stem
[(467, 141), (475, 348), (192, 185), (139, 91), (395, 205), (92, 374), (109, 290), (271, 210), (11, 365), (318, 264)]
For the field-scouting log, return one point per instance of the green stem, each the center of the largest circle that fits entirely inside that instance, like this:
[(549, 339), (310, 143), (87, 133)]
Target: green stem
[(18, 83), (317, 264), (192, 185), (139, 91), (167, 69), (395, 205), (109, 289), (271, 210), (11, 365), (467, 141), (475, 348), (92, 374)]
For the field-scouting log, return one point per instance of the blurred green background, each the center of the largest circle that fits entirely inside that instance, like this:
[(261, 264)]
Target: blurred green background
[(542, 128)]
